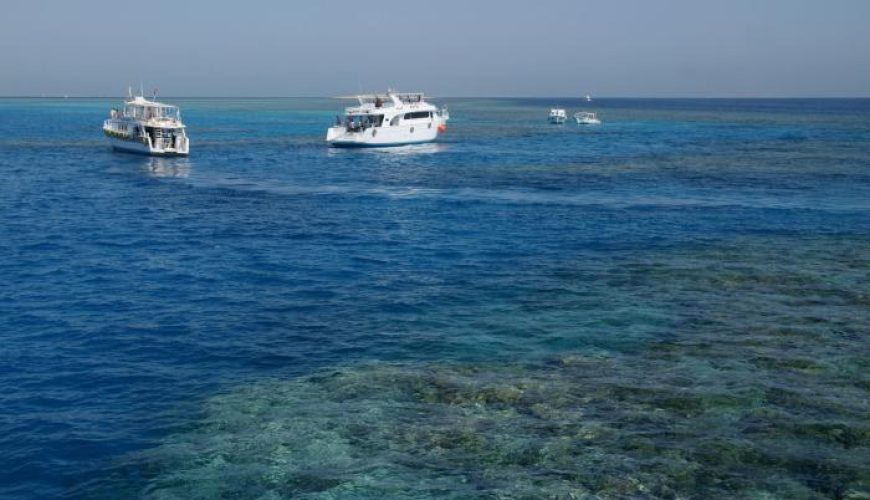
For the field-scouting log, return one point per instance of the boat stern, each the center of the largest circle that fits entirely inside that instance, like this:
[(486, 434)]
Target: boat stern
[(343, 138), (333, 133), (177, 146)]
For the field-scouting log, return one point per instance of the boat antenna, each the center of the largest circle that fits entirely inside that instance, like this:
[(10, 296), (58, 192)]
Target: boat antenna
[(129, 91), (141, 91)]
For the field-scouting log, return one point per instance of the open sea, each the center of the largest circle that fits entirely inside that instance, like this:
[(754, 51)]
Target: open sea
[(675, 304)]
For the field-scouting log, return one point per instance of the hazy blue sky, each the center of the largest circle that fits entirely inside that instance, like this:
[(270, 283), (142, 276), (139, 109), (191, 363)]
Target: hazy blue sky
[(446, 47)]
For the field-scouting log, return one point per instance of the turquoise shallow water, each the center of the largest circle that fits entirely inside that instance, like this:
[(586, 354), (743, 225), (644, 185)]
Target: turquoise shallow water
[(674, 304)]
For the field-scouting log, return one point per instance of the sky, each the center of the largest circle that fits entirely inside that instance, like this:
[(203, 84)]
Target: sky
[(609, 48)]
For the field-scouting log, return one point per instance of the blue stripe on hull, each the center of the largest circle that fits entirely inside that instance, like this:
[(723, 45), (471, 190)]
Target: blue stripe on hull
[(143, 153), (352, 145)]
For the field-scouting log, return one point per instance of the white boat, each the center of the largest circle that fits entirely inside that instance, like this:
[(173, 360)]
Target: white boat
[(586, 118), (147, 127), (391, 119), (588, 98), (558, 115)]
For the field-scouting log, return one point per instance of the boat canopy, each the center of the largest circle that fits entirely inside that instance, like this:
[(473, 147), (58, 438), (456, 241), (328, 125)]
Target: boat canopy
[(394, 98), (146, 110), (409, 97)]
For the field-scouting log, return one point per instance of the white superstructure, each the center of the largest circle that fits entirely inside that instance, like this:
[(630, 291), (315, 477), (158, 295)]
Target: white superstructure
[(586, 118), (558, 115), (391, 119), (147, 127)]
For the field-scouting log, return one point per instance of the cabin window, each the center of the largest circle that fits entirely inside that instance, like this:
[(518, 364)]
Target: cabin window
[(417, 115)]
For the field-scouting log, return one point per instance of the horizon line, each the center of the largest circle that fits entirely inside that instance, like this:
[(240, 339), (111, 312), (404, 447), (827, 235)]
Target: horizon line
[(62, 96)]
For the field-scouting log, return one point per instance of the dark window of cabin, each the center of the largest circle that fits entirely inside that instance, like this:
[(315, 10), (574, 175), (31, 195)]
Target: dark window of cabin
[(418, 114)]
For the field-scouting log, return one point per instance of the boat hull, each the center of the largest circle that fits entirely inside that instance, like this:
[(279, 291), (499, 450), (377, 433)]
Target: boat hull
[(383, 137), (135, 147), (348, 145)]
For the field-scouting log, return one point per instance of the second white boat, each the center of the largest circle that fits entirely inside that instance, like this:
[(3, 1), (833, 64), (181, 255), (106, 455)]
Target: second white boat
[(586, 118), (391, 119)]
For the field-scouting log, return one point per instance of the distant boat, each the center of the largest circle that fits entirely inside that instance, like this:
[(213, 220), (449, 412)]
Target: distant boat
[(147, 127), (391, 119), (558, 116), (588, 98), (586, 118)]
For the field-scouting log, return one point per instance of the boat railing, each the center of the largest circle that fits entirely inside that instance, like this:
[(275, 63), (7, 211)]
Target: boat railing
[(358, 127), (411, 98), (360, 123), (159, 140), (112, 126)]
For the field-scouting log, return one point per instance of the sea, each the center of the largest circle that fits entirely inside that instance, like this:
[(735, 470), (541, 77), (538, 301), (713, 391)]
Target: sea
[(673, 304)]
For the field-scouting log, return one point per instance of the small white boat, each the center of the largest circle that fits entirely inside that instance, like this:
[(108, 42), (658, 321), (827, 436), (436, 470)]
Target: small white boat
[(586, 118), (558, 116), (588, 98), (147, 127), (391, 119)]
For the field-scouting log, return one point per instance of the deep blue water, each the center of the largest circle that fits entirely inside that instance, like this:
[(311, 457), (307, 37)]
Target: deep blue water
[(165, 322)]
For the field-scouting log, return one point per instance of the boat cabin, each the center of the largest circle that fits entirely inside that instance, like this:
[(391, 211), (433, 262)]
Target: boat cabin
[(387, 110)]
